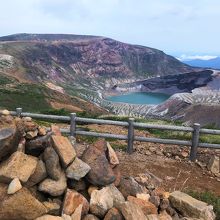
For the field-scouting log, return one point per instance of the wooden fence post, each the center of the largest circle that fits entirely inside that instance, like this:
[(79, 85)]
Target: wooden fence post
[(18, 112), (195, 142), (130, 135), (72, 124)]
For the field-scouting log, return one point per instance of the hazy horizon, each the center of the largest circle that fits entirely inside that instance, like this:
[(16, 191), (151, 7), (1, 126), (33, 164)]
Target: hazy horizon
[(182, 28)]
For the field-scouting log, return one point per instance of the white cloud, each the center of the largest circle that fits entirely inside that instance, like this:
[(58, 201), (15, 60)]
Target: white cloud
[(182, 26), (185, 57)]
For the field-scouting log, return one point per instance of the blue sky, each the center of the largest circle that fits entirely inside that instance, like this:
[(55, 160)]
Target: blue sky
[(189, 27)]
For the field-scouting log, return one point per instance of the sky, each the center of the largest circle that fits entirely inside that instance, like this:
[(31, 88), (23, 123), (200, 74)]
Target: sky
[(179, 27)]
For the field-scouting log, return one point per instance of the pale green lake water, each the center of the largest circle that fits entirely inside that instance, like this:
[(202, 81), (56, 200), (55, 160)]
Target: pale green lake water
[(140, 98)]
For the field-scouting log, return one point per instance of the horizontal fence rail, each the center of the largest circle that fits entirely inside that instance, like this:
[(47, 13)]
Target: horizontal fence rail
[(131, 125)]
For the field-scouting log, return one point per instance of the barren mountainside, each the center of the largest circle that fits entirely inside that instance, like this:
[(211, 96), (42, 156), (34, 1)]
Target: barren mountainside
[(74, 65)]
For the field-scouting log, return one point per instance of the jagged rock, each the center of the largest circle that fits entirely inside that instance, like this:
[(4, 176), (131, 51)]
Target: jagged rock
[(147, 207), (14, 186), (28, 119), (52, 163), (39, 174), (42, 131), (91, 189), (77, 185), (132, 211), (155, 200), (117, 173), (189, 206), (29, 125), (5, 112), (214, 164), (164, 204), (21, 145), (77, 169), (103, 200), (72, 200), (55, 130), (101, 145), (37, 194), (31, 134), (53, 187), (90, 217), (101, 173), (128, 186), (153, 217), (49, 217), (148, 180), (21, 205), (111, 155), (17, 165), (80, 148), (164, 216), (113, 214), (77, 213), (64, 149), (9, 136), (37, 145), (66, 217), (143, 196), (53, 208)]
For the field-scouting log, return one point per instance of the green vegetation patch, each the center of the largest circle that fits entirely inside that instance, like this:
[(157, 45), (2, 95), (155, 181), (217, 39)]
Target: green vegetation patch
[(30, 97)]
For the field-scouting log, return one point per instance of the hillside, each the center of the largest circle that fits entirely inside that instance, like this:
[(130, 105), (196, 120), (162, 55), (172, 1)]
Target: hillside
[(75, 65)]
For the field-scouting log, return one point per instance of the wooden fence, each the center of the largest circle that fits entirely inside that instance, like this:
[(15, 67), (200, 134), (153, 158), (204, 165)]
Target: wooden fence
[(131, 125)]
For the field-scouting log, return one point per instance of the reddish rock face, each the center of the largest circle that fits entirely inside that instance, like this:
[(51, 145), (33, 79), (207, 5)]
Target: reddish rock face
[(72, 200), (101, 173)]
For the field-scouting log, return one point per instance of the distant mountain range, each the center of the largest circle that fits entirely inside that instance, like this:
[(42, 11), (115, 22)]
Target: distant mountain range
[(212, 63)]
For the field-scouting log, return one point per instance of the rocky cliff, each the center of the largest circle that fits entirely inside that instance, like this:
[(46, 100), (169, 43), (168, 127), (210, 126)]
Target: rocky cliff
[(86, 59)]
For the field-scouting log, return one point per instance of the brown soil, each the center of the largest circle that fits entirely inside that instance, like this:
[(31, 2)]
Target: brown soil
[(176, 175), (177, 172)]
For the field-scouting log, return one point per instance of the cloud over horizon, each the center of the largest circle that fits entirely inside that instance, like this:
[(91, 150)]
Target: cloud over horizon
[(177, 27)]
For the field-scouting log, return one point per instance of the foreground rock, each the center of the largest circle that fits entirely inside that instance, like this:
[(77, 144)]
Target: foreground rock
[(101, 173), (128, 186), (49, 217), (112, 157), (17, 165), (14, 186), (77, 169), (64, 149), (39, 174), (53, 187), (132, 211), (37, 145), (52, 163), (103, 200), (191, 207), (9, 136), (72, 201), (113, 214), (21, 205), (214, 165), (147, 207)]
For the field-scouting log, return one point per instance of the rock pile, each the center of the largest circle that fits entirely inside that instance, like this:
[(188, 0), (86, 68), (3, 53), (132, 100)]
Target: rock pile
[(43, 176)]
